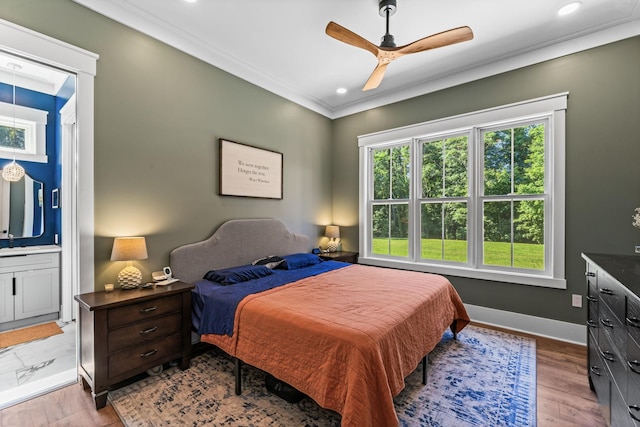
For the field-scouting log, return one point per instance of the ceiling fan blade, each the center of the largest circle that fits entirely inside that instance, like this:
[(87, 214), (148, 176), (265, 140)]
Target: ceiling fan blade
[(376, 76), (434, 41), (340, 33)]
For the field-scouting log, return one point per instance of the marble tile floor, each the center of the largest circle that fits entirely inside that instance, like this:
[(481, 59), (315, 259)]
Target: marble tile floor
[(31, 369)]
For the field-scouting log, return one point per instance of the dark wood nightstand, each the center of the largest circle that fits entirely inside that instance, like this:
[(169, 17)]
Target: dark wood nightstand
[(351, 257), (126, 332)]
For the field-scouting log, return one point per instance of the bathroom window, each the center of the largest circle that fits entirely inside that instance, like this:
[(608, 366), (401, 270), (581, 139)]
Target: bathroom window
[(23, 134)]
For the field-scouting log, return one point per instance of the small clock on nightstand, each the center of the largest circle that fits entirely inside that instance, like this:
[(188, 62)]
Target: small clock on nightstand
[(343, 256)]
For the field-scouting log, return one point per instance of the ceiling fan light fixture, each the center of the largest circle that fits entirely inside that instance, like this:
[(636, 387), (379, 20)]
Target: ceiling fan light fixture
[(569, 8)]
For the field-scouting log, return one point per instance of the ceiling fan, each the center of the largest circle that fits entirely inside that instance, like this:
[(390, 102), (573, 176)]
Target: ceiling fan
[(388, 51)]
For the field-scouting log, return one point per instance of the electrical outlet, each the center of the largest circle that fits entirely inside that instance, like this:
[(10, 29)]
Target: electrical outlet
[(637, 249), (576, 300)]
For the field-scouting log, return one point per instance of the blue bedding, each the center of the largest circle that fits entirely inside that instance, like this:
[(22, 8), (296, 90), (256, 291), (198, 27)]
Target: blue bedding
[(214, 305)]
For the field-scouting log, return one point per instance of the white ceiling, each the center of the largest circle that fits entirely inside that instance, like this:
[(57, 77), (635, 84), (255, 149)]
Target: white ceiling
[(281, 45), (30, 75)]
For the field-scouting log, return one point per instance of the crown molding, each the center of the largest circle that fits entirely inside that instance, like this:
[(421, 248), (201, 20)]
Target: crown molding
[(127, 14)]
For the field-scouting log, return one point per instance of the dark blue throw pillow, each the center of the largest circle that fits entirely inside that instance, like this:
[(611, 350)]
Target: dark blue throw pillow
[(233, 275), (294, 261)]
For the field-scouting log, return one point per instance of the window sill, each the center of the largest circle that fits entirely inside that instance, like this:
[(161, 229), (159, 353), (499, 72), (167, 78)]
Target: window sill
[(36, 158), (495, 276)]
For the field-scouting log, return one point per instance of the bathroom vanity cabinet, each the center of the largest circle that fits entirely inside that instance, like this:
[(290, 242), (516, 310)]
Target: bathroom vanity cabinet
[(29, 286)]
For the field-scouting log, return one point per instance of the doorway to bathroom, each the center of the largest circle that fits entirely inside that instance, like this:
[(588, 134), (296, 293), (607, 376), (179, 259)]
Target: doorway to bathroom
[(45, 75)]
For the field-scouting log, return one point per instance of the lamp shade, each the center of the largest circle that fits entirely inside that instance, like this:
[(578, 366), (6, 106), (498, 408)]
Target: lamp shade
[(332, 231), (129, 249)]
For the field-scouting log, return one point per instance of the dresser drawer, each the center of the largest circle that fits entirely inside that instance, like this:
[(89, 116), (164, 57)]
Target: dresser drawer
[(633, 403), (143, 310), (614, 360), (592, 314), (147, 330), (620, 416), (144, 356), (599, 375), (612, 294), (612, 341), (633, 317), (612, 327)]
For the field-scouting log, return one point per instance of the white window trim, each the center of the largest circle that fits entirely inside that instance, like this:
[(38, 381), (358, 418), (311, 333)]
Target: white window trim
[(555, 106), (34, 121)]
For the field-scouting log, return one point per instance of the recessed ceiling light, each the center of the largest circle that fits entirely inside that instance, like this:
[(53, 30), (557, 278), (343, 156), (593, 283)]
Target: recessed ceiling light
[(569, 8), (341, 91), (191, 1)]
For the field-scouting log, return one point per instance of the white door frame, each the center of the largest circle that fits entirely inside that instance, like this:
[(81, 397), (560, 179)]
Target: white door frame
[(68, 274), (77, 165)]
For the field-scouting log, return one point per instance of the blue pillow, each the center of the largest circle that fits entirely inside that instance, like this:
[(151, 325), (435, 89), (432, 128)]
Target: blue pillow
[(292, 262), (233, 275)]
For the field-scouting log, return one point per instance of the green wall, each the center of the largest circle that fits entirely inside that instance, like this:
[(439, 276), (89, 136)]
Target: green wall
[(159, 113), (158, 116), (602, 174)]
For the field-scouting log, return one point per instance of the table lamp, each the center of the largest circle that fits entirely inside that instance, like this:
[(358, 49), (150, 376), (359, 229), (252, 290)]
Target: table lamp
[(333, 232), (129, 249)]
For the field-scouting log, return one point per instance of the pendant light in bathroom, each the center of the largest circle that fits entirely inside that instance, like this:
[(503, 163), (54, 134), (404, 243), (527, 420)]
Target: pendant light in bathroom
[(13, 172)]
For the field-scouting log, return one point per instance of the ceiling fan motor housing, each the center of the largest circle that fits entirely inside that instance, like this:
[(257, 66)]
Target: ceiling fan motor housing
[(387, 5)]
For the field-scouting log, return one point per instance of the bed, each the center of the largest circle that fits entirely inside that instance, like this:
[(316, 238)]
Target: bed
[(346, 335)]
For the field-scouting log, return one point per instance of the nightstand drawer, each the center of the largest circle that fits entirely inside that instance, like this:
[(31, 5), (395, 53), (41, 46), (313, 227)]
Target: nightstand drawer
[(144, 356), (143, 310), (137, 333)]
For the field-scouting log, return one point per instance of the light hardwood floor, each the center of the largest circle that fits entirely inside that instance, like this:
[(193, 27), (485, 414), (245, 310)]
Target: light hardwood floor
[(564, 397)]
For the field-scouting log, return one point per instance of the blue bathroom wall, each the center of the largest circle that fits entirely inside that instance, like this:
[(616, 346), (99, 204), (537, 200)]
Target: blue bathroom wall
[(49, 173)]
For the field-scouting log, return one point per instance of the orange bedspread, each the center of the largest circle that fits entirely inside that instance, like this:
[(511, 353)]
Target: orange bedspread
[(346, 338)]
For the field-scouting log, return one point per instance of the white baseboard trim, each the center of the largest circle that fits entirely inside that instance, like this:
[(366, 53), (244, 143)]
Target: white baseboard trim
[(549, 328)]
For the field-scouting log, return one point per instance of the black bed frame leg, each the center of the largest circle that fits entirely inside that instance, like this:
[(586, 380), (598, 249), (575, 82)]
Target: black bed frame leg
[(238, 374), (454, 329), (425, 367)]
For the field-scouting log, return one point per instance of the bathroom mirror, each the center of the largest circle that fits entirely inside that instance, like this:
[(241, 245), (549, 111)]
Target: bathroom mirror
[(21, 208)]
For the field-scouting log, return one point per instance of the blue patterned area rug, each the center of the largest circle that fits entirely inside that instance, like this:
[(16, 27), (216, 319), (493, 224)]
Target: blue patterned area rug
[(485, 378)]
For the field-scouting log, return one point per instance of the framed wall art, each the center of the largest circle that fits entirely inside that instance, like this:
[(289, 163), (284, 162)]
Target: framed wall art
[(248, 171)]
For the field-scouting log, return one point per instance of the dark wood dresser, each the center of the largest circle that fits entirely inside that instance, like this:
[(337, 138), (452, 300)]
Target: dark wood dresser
[(126, 332), (613, 338)]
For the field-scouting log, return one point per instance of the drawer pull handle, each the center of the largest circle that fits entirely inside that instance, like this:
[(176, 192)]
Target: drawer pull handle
[(633, 321), (595, 370), (149, 353), (590, 274), (148, 309), (608, 355), (633, 365), (592, 299), (148, 331), (592, 324), (607, 323), (606, 291), (632, 409)]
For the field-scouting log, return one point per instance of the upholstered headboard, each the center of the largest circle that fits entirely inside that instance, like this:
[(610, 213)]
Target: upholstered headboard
[(236, 242)]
